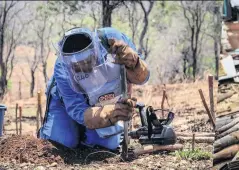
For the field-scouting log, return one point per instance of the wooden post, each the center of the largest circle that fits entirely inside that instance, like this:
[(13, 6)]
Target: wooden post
[(20, 89), (162, 103), (16, 119), (210, 84), (20, 119), (206, 107), (193, 142), (39, 107), (37, 119)]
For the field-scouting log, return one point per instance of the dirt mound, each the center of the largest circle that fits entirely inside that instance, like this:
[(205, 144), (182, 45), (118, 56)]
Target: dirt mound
[(32, 150), (42, 152)]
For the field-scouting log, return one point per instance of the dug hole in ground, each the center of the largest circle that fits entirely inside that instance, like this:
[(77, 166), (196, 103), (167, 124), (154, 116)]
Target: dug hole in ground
[(27, 152)]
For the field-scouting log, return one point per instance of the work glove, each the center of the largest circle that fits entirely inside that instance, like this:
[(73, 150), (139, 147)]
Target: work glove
[(108, 115), (124, 54), (137, 71)]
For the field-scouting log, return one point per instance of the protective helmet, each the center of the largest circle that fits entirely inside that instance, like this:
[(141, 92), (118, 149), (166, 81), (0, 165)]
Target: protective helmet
[(80, 53)]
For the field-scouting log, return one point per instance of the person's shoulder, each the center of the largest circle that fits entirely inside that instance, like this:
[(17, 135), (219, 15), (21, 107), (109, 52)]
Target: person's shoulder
[(110, 32), (110, 29)]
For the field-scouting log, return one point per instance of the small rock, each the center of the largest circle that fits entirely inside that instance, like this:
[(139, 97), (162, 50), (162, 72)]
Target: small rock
[(183, 167), (13, 161), (51, 168), (158, 165), (182, 162), (58, 158), (39, 168), (54, 164), (23, 165), (40, 154), (31, 160)]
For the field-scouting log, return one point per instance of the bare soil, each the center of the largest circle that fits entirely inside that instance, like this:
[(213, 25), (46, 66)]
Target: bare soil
[(28, 152), (183, 100)]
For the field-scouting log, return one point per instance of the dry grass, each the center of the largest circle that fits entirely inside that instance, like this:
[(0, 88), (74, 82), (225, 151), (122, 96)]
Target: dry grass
[(183, 99)]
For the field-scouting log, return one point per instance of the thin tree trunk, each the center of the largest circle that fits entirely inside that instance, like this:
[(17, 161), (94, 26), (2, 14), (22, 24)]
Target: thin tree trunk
[(185, 66), (216, 56), (44, 65), (145, 28), (194, 65), (32, 83), (2, 30), (106, 13)]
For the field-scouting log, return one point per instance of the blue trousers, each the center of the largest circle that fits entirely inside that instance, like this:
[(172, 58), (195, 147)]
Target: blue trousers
[(92, 139)]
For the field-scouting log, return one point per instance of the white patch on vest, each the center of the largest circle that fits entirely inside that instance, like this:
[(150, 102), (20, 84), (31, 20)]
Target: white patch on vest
[(106, 97), (113, 100), (80, 77)]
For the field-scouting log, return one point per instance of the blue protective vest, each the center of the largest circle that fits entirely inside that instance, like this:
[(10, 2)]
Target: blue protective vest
[(109, 93)]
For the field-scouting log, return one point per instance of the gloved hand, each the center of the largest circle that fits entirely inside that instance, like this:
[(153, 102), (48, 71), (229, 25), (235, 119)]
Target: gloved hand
[(137, 71), (108, 115), (124, 54)]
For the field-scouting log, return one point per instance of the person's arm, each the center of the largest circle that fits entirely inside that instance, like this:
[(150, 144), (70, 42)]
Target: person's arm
[(139, 73), (75, 103)]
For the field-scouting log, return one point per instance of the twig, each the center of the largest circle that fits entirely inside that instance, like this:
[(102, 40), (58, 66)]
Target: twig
[(193, 142)]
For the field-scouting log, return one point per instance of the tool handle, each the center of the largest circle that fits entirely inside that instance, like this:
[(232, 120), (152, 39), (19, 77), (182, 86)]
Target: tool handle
[(124, 90)]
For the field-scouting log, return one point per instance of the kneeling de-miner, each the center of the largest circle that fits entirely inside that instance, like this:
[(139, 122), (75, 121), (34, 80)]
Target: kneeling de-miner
[(84, 104)]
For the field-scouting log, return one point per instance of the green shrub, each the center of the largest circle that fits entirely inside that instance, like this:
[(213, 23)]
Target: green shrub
[(197, 154)]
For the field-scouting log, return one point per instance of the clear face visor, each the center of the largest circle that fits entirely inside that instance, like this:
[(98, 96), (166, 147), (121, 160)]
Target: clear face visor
[(81, 62), (84, 70)]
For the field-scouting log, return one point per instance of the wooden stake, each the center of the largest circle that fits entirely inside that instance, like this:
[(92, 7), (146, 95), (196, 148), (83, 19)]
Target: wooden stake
[(16, 119), (166, 96), (20, 119), (193, 142), (206, 107), (37, 119), (210, 84), (162, 103), (20, 89), (39, 106)]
